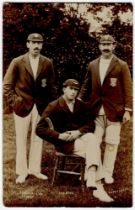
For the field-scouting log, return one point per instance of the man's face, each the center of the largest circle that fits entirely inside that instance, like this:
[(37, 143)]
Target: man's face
[(34, 47), (106, 49), (70, 93)]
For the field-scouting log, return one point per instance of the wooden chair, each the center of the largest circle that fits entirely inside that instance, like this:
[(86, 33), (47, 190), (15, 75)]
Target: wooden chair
[(68, 164)]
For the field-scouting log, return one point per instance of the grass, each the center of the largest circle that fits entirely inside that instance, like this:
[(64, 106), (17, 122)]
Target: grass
[(67, 191)]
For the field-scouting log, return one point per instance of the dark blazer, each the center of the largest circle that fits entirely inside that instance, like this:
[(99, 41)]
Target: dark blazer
[(115, 93), (64, 120), (21, 90)]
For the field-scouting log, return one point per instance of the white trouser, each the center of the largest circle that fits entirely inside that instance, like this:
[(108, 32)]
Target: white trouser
[(111, 132), (87, 146), (22, 125)]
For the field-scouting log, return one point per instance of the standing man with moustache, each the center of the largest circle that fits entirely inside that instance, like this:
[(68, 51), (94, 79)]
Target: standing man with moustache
[(109, 87), (28, 88)]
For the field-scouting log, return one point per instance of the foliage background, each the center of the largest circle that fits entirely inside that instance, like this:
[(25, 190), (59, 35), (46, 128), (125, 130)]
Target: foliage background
[(70, 40)]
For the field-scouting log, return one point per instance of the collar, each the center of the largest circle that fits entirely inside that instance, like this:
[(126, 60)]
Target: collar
[(33, 58), (107, 60), (68, 102)]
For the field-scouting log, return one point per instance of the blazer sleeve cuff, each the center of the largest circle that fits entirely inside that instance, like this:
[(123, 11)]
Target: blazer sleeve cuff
[(128, 109)]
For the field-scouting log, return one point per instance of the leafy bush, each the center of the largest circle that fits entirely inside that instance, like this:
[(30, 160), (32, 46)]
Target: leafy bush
[(66, 34)]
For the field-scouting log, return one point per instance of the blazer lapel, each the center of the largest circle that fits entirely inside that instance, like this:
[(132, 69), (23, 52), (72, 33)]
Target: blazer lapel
[(112, 64), (96, 65), (27, 64), (41, 59), (63, 104)]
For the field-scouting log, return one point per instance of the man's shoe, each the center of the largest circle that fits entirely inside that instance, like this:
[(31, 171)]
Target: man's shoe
[(20, 179), (101, 194), (109, 179), (40, 176)]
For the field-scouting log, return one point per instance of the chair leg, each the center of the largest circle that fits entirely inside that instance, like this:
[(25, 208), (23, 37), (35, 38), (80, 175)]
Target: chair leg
[(63, 161), (82, 176), (55, 171)]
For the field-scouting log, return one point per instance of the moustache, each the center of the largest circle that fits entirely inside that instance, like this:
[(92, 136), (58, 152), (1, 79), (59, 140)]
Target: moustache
[(106, 51), (36, 48)]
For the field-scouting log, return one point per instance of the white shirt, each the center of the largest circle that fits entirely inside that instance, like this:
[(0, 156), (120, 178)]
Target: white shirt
[(103, 67), (34, 64)]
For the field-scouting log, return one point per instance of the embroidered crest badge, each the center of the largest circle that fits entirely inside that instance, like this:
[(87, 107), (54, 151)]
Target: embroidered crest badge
[(113, 82), (43, 83)]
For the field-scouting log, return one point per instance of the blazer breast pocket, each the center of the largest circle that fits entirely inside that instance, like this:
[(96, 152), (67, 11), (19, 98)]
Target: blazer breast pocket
[(113, 81), (43, 82)]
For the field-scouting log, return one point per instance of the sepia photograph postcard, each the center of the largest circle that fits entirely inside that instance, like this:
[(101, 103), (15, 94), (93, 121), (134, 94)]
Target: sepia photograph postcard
[(67, 77)]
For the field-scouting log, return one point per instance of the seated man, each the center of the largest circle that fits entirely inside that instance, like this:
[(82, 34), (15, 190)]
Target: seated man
[(73, 133)]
